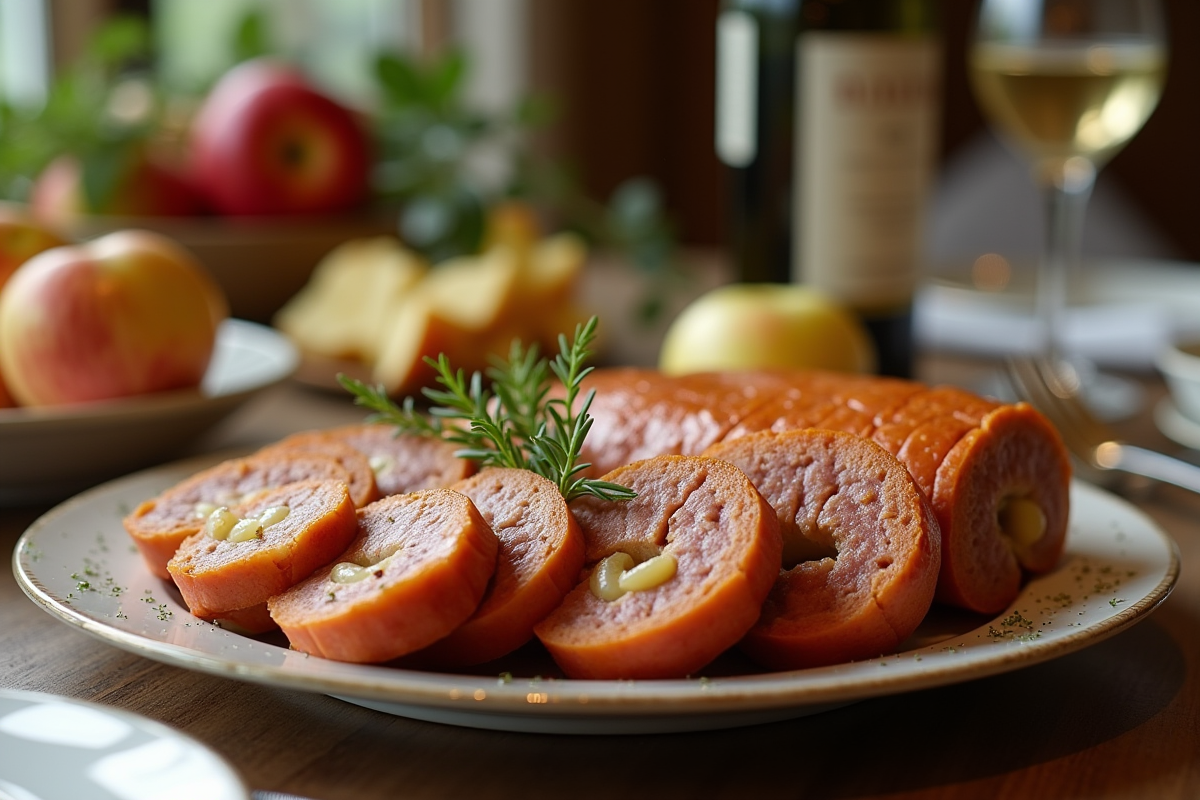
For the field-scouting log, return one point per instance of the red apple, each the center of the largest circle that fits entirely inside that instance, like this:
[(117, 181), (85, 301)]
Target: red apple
[(128, 313), (265, 141), (145, 188)]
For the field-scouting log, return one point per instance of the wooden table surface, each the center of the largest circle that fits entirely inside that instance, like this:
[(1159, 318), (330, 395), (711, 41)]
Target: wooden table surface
[(1118, 719)]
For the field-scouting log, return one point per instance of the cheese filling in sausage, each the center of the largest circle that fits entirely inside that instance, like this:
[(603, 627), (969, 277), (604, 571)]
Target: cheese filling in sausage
[(1022, 520), (349, 572), (224, 524), (616, 575)]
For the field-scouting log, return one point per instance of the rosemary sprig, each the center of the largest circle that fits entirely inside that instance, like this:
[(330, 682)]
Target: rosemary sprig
[(514, 422), (404, 417), (521, 386)]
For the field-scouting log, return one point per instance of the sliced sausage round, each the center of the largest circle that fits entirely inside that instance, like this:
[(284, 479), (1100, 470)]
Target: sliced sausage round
[(861, 547), (715, 545), (416, 571)]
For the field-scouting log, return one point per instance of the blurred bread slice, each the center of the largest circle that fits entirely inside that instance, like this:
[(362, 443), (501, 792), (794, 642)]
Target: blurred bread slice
[(553, 268), (476, 292), (374, 301), (347, 306), (416, 331), (463, 307)]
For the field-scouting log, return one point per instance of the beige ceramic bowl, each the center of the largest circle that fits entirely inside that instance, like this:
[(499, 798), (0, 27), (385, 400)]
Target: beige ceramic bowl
[(260, 262), (51, 453)]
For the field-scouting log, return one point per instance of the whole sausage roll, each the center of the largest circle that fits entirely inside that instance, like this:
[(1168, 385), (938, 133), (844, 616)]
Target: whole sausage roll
[(997, 475)]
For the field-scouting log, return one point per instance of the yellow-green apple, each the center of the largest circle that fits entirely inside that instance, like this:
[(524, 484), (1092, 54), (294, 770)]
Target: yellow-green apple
[(144, 187), (129, 313), (755, 326), (266, 141)]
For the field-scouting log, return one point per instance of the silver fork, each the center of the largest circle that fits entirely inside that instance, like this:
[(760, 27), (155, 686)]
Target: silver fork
[(1089, 440)]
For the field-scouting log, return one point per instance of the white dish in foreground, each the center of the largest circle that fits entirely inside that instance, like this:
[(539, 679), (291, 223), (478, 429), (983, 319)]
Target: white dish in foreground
[(79, 565), (52, 453), (54, 747)]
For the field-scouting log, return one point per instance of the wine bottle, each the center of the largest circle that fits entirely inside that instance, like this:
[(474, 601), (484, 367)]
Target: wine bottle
[(756, 41), (867, 75)]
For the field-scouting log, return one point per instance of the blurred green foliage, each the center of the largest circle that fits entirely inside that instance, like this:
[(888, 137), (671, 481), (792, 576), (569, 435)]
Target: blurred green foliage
[(99, 110), (423, 137), (426, 136)]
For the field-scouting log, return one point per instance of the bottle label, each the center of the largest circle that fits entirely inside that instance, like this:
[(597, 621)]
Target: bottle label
[(865, 138), (737, 88)]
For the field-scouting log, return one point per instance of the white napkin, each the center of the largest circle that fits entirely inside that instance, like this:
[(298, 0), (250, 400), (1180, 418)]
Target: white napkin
[(1117, 335)]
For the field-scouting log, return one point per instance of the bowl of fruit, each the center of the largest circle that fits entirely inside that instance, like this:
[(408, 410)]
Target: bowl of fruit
[(263, 177)]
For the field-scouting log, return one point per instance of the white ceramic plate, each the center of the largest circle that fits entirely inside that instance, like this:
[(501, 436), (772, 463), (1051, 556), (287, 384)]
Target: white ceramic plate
[(52, 747), (52, 453), (78, 564)]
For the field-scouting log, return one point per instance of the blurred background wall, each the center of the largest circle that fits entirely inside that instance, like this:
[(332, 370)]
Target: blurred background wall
[(634, 84), (638, 76)]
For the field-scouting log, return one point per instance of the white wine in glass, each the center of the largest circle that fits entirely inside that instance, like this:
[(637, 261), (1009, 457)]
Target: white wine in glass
[(1060, 101), (1066, 83)]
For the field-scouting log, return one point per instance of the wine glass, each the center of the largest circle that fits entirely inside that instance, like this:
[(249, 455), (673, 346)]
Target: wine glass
[(1067, 83)]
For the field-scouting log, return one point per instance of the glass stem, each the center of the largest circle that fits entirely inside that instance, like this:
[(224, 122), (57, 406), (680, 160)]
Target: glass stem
[(1067, 190)]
